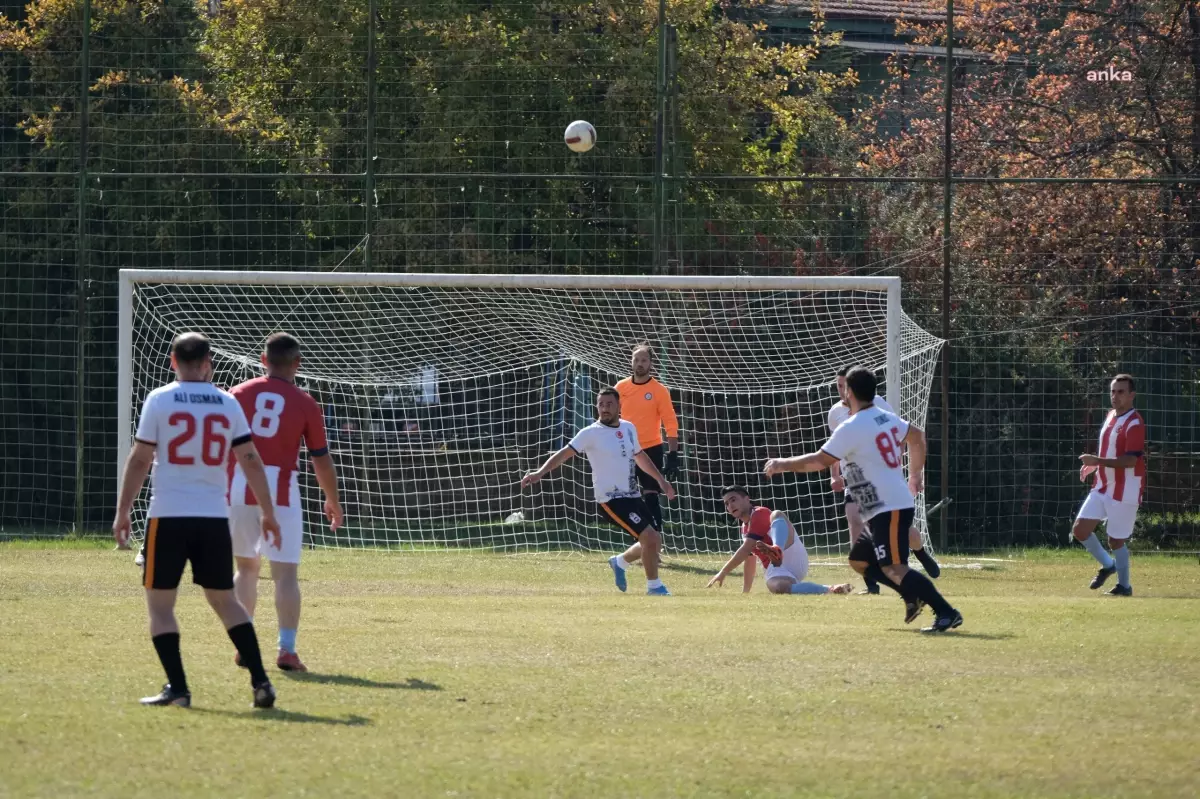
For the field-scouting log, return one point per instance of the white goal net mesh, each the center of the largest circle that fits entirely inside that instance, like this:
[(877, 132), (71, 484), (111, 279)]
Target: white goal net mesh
[(437, 400)]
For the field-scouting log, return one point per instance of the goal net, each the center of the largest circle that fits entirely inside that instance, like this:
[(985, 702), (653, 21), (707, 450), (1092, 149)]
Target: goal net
[(441, 391)]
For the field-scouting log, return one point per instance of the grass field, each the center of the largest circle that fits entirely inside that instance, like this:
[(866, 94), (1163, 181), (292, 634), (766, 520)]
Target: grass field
[(483, 675)]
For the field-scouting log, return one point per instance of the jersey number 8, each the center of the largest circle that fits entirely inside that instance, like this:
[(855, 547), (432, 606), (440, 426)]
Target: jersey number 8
[(268, 407)]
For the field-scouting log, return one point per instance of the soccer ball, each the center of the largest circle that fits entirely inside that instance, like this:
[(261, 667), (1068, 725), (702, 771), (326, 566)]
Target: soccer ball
[(580, 136)]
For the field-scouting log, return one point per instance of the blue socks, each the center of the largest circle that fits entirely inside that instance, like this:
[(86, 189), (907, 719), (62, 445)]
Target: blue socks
[(287, 640), (779, 533), (1120, 556), (809, 588), (1093, 545)]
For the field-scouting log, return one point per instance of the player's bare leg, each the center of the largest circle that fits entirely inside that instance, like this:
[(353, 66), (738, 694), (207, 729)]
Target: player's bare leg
[(241, 631), (1084, 531), (287, 608), (245, 582), (650, 542), (164, 632)]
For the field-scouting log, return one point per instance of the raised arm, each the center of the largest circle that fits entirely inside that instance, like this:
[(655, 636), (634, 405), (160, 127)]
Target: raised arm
[(743, 552), (256, 477), (557, 459), (137, 466)]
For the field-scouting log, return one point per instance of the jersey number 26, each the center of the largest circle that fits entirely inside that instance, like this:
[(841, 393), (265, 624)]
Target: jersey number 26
[(212, 444)]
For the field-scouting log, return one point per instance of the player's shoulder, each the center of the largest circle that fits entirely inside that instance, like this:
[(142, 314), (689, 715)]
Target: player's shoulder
[(247, 386), (627, 426), (163, 391), (623, 384), (760, 521)]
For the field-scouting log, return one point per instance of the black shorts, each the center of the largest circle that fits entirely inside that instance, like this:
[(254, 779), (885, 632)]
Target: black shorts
[(864, 549), (173, 541), (648, 483), (629, 513), (890, 531)]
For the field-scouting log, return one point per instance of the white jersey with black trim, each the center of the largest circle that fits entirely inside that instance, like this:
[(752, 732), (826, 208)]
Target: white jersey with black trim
[(870, 445), (193, 426), (610, 450)]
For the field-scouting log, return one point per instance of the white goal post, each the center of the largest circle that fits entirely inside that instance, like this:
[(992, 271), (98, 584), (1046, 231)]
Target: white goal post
[(440, 390)]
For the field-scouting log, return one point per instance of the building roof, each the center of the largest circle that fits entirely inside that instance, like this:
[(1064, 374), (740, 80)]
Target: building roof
[(878, 10)]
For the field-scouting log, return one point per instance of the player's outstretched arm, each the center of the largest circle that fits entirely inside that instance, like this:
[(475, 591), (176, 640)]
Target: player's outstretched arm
[(327, 478), (734, 561), (813, 462), (553, 462), (256, 477), (748, 573), (646, 465), (137, 466)]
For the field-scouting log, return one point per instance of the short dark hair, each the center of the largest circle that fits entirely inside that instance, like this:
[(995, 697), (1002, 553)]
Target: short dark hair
[(862, 384), (844, 371), (282, 349), (191, 347), (1124, 378), (610, 392), (735, 489), (645, 345)]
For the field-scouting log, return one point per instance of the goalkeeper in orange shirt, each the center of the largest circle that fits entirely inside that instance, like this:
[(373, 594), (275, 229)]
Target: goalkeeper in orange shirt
[(647, 404)]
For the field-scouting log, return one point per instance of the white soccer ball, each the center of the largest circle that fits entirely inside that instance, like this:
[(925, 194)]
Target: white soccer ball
[(580, 136)]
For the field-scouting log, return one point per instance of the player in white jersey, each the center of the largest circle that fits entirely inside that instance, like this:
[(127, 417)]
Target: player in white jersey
[(870, 444), (611, 447), (186, 430), (839, 413), (1120, 469), (770, 537)]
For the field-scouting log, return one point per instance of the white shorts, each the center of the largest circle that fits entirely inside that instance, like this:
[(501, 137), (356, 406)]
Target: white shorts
[(1118, 517), (245, 527), (795, 563)]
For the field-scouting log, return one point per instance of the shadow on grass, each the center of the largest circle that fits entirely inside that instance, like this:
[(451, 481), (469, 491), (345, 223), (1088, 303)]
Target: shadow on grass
[(673, 566), (411, 684), (289, 716), (960, 634)]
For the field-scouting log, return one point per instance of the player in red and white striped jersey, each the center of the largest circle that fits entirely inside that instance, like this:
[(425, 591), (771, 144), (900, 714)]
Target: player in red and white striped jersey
[(281, 415), (1120, 481)]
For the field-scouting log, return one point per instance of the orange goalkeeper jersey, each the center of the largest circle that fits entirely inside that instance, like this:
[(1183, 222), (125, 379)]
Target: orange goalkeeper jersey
[(648, 405)]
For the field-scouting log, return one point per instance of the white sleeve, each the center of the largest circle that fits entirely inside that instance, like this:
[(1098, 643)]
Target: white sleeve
[(580, 441), (633, 439), (840, 444), (147, 429), (237, 418), (834, 418), (902, 429)]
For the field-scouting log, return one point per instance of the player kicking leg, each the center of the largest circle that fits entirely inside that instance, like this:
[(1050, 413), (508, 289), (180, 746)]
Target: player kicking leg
[(770, 537)]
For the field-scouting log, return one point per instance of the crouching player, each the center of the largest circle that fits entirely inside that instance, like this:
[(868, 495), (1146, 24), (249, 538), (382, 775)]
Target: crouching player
[(770, 537)]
